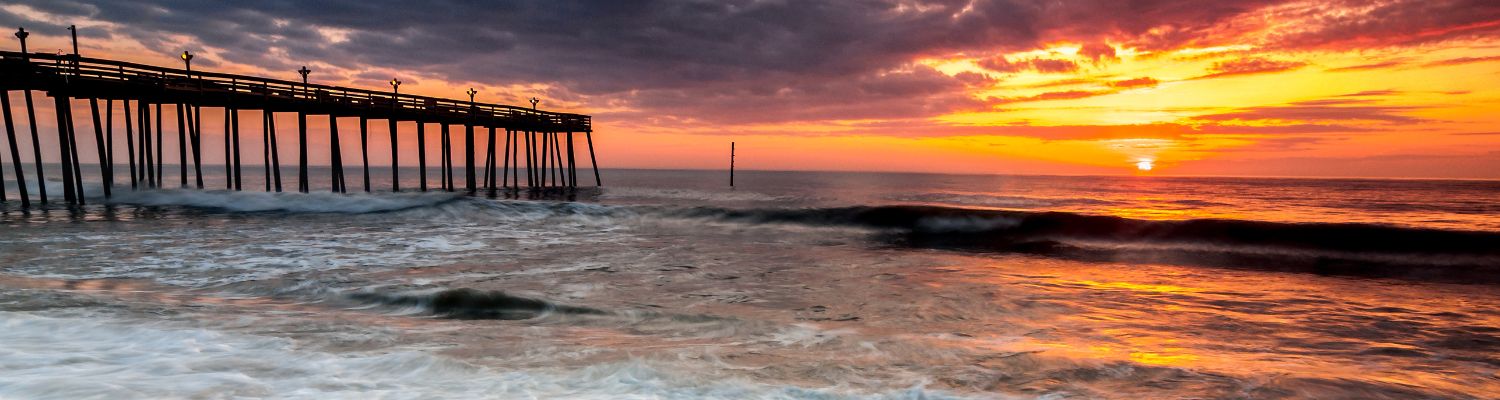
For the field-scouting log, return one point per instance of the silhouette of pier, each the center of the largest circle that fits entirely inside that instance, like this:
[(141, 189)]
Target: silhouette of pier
[(538, 145)]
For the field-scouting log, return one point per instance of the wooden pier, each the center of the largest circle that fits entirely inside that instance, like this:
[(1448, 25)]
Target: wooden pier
[(538, 144)]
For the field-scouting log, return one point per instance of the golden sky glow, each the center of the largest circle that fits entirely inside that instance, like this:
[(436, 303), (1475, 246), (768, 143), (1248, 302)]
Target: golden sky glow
[(1280, 88)]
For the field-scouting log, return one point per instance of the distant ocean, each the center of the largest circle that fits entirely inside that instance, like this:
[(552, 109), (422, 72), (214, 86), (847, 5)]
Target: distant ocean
[(670, 284)]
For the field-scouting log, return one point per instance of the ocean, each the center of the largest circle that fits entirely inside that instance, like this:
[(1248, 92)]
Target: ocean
[(792, 285)]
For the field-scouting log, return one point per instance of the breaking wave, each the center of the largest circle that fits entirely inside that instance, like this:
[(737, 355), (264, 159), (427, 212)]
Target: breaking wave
[(1326, 247), (471, 304)]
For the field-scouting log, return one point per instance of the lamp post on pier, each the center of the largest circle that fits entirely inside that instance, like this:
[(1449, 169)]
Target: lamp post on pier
[(533, 103), (395, 86), (187, 61), (304, 71), (471, 93), (21, 33)]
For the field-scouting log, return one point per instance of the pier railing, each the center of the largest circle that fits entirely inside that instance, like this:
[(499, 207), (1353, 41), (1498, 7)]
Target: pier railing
[(45, 71)]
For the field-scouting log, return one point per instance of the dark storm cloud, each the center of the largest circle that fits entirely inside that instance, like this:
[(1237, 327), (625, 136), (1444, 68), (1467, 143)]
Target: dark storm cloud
[(732, 60)]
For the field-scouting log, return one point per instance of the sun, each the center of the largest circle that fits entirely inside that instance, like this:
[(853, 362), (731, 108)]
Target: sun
[(1144, 165)]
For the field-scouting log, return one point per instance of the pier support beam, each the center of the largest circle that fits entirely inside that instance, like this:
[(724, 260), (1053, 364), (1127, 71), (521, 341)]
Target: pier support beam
[(161, 157), (489, 163), (228, 148), (275, 149), (530, 160), (64, 154), (395, 163), (364, 149), (302, 156), (469, 167), (36, 149), (572, 164), (147, 162), (422, 153), (447, 159), (239, 179), (195, 135), (265, 150), (505, 166), (73, 153), (546, 156), (182, 145), (130, 145), (15, 152), (104, 164), (337, 154), (593, 162)]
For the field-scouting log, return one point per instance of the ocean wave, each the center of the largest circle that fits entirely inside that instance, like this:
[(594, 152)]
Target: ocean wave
[(1221, 241), (357, 203), (468, 303)]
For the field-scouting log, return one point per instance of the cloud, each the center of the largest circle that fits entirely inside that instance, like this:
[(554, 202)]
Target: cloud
[(1362, 24), (1368, 67), (1043, 65), (1372, 93), (1250, 66), (645, 56), (1325, 110), (1065, 95), (1099, 52), (1144, 81), (1461, 61)]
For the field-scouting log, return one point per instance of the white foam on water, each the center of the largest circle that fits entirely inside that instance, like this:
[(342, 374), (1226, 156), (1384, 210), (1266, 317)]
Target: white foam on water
[(356, 203), (47, 357)]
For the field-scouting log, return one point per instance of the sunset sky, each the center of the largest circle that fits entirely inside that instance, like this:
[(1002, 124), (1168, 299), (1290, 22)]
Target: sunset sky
[(1256, 87)]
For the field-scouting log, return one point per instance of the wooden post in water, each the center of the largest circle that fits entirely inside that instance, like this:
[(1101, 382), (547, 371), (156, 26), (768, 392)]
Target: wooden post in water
[(302, 156), (109, 140), (469, 173), (61, 103), (160, 157), (572, 164), (395, 163), (492, 175), (195, 135), (228, 149), (337, 154), (130, 144), (422, 153), (530, 159), (447, 159), (275, 150), (104, 166), (15, 152), (557, 156), (593, 162), (73, 154), (505, 166), (539, 148), (182, 144), (36, 146), (731, 164), (265, 150), (364, 148), (239, 180), (470, 170), (147, 175)]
